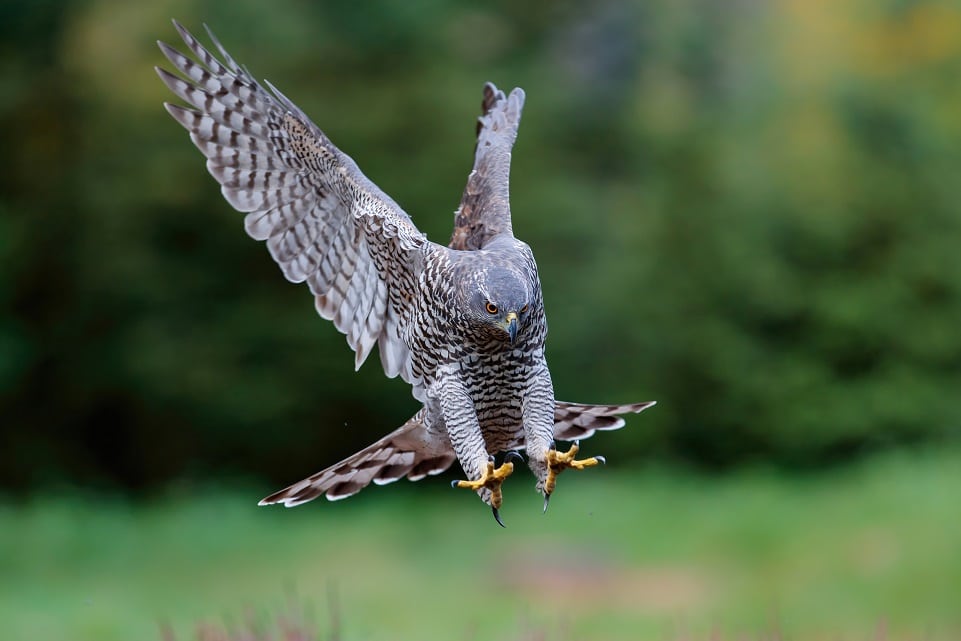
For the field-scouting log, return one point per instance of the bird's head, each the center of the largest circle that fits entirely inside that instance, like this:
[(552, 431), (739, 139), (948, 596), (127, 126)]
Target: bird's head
[(502, 301)]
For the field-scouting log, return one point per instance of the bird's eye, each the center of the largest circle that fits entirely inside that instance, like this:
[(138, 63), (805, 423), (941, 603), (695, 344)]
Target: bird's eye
[(524, 309), (491, 308)]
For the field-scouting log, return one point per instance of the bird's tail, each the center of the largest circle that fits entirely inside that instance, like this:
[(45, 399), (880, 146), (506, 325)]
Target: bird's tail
[(409, 451)]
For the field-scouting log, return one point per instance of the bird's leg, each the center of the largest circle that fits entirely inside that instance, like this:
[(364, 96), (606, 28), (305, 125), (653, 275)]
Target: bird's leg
[(538, 413), (491, 480), (557, 463), (449, 395)]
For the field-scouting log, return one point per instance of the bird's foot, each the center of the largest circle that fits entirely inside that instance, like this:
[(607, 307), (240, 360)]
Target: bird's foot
[(491, 479), (557, 463)]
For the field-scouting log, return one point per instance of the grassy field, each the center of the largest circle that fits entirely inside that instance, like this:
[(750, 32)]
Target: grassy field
[(652, 554)]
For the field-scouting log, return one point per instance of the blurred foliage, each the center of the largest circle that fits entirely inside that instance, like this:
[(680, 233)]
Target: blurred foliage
[(622, 556), (747, 211)]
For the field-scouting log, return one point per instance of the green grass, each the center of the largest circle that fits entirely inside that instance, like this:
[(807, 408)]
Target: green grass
[(652, 554)]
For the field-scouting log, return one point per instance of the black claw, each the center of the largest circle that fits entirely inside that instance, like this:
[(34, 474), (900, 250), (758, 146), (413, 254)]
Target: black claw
[(547, 500), (490, 458), (601, 459), (513, 455), (453, 484), (497, 517)]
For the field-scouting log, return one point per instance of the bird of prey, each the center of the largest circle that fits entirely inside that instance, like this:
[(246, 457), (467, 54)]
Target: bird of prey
[(464, 324)]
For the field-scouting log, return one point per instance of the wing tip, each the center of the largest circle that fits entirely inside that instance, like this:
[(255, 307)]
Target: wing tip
[(517, 98), (286, 501), (182, 30), (494, 97), (170, 79), (167, 50)]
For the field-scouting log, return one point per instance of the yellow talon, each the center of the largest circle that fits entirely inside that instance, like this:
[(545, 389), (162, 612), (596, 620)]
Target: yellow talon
[(492, 480), (557, 463)]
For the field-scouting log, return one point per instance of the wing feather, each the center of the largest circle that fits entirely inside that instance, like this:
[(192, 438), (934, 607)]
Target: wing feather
[(415, 452), (323, 221), (410, 451), (573, 421), (484, 211)]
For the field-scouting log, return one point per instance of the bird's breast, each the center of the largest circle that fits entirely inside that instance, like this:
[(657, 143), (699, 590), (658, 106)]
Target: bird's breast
[(497, 384)]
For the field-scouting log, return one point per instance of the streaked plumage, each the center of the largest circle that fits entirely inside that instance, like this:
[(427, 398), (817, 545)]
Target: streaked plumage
[(464, 325)]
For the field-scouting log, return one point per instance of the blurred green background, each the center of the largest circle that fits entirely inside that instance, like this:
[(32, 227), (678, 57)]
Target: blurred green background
[(747, 211)]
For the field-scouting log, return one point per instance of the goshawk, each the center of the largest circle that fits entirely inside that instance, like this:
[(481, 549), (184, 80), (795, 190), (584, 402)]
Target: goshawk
[(464, 325)]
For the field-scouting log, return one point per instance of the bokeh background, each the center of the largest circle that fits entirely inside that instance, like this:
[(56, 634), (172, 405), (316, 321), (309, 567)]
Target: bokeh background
[(748, 211)]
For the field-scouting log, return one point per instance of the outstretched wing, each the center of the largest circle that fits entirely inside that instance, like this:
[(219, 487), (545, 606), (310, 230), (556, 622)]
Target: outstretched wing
[(414, 452), (484, 210), (573, 421), (409, 451), (324, 222)]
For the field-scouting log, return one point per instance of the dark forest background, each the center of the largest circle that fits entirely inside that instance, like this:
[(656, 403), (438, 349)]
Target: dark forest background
[(747, 211)]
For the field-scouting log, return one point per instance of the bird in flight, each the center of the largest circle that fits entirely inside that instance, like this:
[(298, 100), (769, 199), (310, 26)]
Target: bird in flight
[(464, 324)]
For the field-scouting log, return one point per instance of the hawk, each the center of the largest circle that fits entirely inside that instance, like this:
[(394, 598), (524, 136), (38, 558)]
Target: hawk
[(464, 324)]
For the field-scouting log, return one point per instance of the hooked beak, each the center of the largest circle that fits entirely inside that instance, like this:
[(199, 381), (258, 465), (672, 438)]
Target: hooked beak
[(511, 328)]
